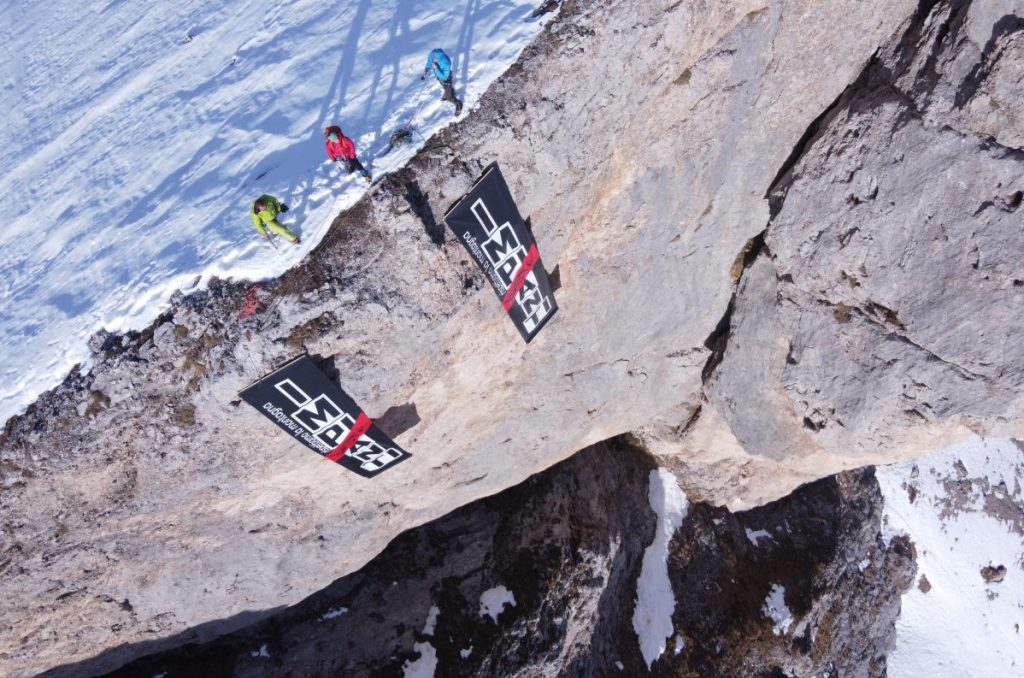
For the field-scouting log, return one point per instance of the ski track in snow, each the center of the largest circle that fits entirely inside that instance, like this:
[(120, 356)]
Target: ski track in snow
[(131, 155), (960, 625)]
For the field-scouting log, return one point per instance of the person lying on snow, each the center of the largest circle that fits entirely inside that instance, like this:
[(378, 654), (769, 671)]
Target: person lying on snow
[(440, 65), (264, 213), (340, 147)]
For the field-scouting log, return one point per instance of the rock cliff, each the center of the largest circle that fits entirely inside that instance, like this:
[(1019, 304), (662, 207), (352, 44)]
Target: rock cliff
[(567, 546), (785, 236)]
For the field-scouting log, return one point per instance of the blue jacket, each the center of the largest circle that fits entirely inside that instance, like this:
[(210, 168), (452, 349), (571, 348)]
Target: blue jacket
[(443, 70)]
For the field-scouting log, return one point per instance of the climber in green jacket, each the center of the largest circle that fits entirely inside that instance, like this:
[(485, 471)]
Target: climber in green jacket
[(264, 213)]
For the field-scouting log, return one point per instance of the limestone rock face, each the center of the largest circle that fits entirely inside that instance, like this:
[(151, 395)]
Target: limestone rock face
[(868, 308), (883, 314), (567, 545)]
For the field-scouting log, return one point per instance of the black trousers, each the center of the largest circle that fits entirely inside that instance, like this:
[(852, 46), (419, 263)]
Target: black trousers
[(354, 165), (449, 91)]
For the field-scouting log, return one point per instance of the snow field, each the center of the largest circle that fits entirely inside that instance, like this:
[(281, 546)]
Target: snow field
[(953, 622), (139, 133)]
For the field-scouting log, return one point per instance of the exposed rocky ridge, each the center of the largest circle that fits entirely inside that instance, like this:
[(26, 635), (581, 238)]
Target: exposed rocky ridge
[(568, 544), (141, 500)]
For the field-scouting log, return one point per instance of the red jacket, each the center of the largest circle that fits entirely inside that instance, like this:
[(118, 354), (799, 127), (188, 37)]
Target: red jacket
[(342, 148)]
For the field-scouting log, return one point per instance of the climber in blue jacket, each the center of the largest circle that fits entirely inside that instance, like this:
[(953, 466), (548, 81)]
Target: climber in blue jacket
[(440, 65)]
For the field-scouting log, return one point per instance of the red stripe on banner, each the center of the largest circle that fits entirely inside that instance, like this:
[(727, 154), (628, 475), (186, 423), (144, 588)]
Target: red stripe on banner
[(362, 426), (532, 257)]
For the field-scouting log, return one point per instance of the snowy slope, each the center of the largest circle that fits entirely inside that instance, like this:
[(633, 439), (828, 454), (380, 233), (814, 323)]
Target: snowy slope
[(963, 508), (131, 153)]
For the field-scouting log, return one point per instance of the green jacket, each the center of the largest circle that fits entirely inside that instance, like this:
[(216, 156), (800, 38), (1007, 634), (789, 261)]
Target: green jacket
[(268, 215)]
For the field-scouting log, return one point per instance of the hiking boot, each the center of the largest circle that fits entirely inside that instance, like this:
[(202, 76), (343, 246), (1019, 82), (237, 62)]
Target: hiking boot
[(296, 241), (368, 178), (458, 107)]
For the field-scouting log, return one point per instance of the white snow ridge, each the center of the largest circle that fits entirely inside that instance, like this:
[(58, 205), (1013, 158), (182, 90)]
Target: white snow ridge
[(655, 602)]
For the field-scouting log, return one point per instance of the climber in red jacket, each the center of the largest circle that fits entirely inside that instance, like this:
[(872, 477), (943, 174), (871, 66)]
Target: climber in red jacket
[(340, 147)]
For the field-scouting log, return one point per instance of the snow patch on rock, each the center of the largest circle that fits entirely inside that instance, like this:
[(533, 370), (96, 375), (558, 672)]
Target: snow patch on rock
[(425, 665), (775, 609), (754, 536), (428, 628), (333, 613), (655, 602), (493, 601)]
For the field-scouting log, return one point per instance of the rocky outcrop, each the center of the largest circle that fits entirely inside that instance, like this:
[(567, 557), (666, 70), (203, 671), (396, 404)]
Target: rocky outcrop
[(879, 312), (567, 545), (750, 344)]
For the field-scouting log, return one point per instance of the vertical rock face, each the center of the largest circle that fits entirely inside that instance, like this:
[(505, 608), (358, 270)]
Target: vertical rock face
[(889, 294), (869, 309), (879, 313), (567, 545)]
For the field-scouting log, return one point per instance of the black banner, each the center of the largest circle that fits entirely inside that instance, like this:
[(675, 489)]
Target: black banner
[(487, 222), (305, 403)]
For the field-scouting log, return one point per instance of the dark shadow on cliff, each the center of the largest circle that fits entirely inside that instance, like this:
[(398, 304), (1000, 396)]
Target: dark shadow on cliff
[(398, 419), (420, 206), (573, 533), (193, 637), (567, 545)]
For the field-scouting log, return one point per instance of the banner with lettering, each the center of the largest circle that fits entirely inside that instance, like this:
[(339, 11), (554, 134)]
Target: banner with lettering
[(300, 399), (487, 223)]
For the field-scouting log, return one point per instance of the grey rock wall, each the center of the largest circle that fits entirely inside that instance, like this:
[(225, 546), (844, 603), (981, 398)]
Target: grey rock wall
[(785, 249), (885, 311)]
